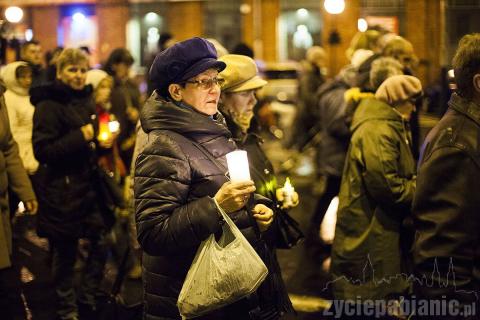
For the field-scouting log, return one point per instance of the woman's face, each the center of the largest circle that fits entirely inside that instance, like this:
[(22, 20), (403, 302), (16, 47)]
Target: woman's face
[(102, 92), (240, 107), (74, 75), (202, 92), (25, 80), (122, 70)]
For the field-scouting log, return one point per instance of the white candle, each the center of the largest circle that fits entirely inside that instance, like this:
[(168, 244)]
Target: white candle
[(238, 169), (288, 191)]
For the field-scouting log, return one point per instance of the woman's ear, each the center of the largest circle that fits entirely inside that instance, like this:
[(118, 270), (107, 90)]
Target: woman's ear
[(476, 83), (175, 91)]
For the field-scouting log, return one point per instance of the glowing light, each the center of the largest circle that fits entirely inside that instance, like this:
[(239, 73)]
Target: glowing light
[(151, 17), (78, 17), (302, 13), (245, 8), (362, 25), (14, 14), (288, 191), (334, 6), (238, 168), (28, 34)]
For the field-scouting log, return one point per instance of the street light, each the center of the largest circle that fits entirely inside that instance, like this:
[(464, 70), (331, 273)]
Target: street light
[(14, 14), (334, 6)]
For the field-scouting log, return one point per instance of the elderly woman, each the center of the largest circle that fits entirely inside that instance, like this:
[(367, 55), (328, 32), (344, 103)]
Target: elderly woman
[(376, 193), (178, 185), (65, 127), (237, 101)]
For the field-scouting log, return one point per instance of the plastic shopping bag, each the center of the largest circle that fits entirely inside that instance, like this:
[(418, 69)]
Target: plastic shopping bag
[(221, 273)]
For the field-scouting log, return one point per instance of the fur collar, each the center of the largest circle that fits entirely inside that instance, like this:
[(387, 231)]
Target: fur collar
[(58, 92)]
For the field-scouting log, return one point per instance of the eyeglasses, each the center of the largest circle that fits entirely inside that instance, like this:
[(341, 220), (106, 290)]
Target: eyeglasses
[(207, 84)]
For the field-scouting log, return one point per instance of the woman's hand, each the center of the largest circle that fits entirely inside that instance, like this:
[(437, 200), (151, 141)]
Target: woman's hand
[(233, 196), (287, 205), (263, 215)]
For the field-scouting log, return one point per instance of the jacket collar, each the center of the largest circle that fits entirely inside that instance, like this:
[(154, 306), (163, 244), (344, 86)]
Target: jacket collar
[(161, 114), (373, 109), (466, 107)]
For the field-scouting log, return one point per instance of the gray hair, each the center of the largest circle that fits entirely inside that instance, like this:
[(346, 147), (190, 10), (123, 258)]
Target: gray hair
[(383, 68)]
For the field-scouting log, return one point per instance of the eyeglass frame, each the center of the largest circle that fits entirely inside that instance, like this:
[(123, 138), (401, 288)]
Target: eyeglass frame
[(210, 82)]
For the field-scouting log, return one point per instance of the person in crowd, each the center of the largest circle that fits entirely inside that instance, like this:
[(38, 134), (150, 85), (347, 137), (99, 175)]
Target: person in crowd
[(180, 178), (334, 115), (51, 61), (237, 101), (18, 79), (312, 76), (446, 206), (31, 52), (378, 184), (109, 159), (125, 100), (14, 176), (65, 127)]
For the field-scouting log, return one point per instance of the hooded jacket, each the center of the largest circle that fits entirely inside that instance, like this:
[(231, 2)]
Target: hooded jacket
[(174, 186), (20, 112), (13, 176), (64, 181), (376, 192)]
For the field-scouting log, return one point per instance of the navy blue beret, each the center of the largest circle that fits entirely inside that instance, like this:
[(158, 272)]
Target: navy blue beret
[(182, 61)]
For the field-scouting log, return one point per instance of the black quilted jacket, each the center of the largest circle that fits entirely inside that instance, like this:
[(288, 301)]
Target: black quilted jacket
[(174, 187)]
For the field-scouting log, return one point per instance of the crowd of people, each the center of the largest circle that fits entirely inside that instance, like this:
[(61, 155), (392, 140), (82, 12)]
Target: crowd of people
[(84, 153)]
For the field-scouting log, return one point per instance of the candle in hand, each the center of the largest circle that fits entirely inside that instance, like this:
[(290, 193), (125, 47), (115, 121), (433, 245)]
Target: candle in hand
[(238, 169), (104, 132), (288, 191)]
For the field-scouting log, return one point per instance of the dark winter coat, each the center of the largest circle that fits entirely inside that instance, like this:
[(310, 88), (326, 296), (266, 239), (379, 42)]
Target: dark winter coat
[(272, 291), (64, 181), (446, 207), (174, 187), (13, 176), (376, 192), (335, 134)]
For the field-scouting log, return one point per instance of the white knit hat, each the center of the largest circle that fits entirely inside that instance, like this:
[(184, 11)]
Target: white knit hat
[(95, 76), (399, 88)]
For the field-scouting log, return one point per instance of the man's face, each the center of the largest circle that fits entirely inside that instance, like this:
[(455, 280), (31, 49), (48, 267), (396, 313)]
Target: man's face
[(33, 54)]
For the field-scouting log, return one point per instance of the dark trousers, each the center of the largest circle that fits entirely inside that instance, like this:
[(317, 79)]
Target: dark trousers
[(10, 301), (64, 254), (332, 189)]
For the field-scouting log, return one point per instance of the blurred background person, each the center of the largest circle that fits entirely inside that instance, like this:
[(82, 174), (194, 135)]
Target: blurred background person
[(109, 159), (65, 127), (51, 61), (125, 100), (236, 104), (31, 52), (378, 184), (312, 76), (18, 79), (13, 176)]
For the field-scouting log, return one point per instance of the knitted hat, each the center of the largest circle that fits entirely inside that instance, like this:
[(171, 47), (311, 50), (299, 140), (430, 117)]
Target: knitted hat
[(241, 74), (95, 76), (399, 88)]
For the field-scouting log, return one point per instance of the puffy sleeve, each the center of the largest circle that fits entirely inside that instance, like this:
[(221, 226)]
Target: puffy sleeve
[(166, 221)]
